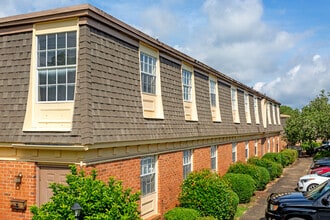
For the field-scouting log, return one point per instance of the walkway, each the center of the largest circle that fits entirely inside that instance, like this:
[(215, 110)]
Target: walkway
[(287, 183)]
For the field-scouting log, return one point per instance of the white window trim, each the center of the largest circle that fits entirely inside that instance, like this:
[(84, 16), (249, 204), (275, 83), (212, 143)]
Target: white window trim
[(274, 114), (256, 110), (215, 110), (269, 117), (187, 163), (234, 105), (152, 103), (234, 152), (190, 108), (247, 150), (214, 149), (247, 107), (48, 116), (152, 172), (256, 148)]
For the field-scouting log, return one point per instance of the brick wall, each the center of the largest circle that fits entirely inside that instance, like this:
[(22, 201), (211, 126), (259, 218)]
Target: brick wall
[(224, 158), (202, 158), (27, 190), (170, 177), (128, 171)]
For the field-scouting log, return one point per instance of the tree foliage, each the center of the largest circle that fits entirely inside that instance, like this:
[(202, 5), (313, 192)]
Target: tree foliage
[(311, 123), (97, 199)]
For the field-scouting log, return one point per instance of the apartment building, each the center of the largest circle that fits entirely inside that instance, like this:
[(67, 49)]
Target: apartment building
[(80, 87)]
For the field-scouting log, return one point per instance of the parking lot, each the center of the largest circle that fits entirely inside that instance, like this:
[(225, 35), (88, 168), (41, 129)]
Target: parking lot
[(287, 183)]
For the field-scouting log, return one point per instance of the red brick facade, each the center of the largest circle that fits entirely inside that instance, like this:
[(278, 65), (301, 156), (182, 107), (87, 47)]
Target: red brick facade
[(27, 190)]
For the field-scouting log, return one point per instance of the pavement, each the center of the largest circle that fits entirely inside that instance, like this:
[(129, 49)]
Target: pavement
[(286, 183)]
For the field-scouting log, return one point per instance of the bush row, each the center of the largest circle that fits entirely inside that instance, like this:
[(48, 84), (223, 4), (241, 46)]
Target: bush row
[(207, 196)]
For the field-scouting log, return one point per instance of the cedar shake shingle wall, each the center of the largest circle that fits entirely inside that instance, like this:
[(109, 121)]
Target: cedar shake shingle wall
[(108, 106), (15, 53)]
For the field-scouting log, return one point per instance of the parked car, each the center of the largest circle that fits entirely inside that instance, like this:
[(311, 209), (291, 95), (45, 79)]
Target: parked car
[(313, 205), (324, 147), (320, 170), (323, 162), (310, 181)]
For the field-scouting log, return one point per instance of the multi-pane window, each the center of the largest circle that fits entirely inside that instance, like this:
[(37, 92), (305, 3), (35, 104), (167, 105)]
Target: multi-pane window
[(148, 175), (56, 66), (256, 109), (246, 150), (274, 114), (256, 148), (268, 113), (234, 105), (214, 157), (233, 152), (247, 107), (213, 93), (187, 163), (148, 73), (187, 86)]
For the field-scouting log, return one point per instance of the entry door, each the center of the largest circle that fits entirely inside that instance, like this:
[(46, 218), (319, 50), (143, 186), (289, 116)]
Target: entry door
[(48, 175)]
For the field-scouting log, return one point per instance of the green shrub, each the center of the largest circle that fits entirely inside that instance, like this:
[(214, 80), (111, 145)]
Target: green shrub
[(97, 199), (206, 192), (259, 174), (275, 157), (206, 218), (275, 169), (180, 213), (321, 154), (242, 184), (288, 156)]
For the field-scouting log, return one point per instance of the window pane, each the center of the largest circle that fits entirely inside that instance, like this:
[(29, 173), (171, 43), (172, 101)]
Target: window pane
[(61, 76), (42, 77), (61, 92), (41, 59), (42, 42), (51, 58), (72, 39), (51, 43), (70, 92), (42, 93), (60, 57), (71, 56), (52, 93), (61, 40), (71, 75), (51, 76)]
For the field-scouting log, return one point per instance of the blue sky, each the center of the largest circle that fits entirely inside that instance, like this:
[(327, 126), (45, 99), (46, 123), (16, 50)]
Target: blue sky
[(279, 47)]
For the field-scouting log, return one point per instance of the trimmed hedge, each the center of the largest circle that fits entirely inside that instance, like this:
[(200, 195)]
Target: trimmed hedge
[(242, 184), (274, 157), (289, 156), (180, 213), (275, 169), (259, 174), (206, 192)]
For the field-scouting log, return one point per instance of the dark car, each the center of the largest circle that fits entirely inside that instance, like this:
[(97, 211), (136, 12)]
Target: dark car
[(324, 147), (321, 163), (312, 205)]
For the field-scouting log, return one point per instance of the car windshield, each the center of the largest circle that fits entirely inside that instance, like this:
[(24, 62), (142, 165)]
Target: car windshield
[(318, 191)]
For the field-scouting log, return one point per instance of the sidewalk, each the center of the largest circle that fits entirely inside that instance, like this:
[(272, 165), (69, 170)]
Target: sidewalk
[(286, 183)]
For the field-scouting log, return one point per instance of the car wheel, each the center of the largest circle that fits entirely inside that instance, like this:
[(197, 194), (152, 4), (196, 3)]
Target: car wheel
[(312, 186), (295, 218)]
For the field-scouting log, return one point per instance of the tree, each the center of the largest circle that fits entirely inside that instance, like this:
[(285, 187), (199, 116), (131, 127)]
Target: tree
[(311, 123), (97, 199), (286, 110)]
